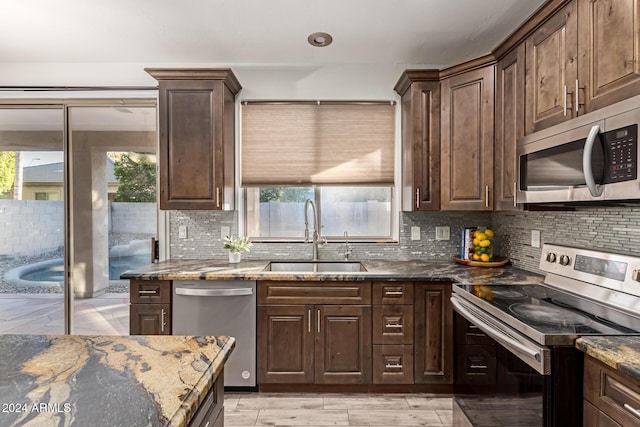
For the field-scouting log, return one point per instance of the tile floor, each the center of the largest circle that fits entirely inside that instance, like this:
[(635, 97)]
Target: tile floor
[(283, 409), (107, 314)]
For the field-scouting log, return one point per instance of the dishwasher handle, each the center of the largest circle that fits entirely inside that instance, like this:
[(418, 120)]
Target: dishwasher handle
[(214, 292)]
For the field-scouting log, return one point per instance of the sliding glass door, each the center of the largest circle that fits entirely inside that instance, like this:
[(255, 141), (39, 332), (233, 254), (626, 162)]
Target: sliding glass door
[(32, 230), (90, 184)]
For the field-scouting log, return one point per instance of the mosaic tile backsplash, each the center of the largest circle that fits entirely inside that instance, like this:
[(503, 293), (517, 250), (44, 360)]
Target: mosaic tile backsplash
[(613, 228)]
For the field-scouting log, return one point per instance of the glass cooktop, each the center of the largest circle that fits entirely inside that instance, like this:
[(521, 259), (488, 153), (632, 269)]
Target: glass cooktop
[(543, 313)]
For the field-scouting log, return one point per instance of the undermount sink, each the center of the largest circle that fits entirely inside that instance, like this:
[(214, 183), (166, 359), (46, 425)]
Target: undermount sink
[(316, 266)]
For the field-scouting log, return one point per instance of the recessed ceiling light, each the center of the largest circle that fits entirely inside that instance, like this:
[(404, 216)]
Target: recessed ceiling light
[(320, 39)]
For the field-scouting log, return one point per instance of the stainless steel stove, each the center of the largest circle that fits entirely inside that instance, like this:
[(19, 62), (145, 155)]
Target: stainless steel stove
[(585, 292)]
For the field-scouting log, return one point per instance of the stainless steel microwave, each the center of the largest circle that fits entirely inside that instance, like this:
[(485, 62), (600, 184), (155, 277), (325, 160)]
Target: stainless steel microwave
[(592, 158)]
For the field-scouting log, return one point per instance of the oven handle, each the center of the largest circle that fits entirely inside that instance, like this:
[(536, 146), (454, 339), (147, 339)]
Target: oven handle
[(214, 292), (594, 189), (496, 335)]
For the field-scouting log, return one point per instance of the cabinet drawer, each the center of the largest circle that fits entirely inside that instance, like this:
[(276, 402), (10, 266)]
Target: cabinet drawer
[(612, 393), (593, 417), (393, 364), (393, 324), (272, 292), (476, 364), (150, 291), (391, 293), (150, 319)]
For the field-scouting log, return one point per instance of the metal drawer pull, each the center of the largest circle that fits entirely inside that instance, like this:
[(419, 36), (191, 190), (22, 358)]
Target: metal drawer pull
[(391, 325), (318, 320), (393, 292), (417, 198), (632, 410), (217, 197), (564, 103), (486, 196), (309, 321), (390, 366), (162, 321), (478, 366), (515, 191), (145, 292)]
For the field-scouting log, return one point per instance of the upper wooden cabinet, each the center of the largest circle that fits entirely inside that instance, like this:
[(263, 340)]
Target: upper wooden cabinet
[(551, 70), (420, 92), (609, 51), (583, 58), (467, 140), (197, 123), (509, 119)]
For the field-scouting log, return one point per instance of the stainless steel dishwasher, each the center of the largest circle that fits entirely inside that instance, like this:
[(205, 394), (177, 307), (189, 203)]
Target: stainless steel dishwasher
[(220, 307)]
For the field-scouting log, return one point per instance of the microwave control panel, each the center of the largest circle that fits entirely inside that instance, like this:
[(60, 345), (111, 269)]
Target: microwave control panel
[(622, 147)]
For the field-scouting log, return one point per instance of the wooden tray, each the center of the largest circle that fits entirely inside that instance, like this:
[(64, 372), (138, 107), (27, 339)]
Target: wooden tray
[(498, 261)]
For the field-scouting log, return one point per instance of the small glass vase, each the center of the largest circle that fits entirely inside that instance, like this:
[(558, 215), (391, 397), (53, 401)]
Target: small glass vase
[(235, 257)]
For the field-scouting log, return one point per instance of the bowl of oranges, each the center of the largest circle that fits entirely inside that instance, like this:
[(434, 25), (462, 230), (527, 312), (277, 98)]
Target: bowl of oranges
[(480, 251)]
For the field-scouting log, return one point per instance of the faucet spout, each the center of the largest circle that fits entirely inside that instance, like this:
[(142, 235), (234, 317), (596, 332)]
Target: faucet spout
[(317, 239)]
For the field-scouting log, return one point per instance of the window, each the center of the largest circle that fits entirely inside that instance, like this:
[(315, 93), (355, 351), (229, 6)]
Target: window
[(338, 154), (277, 213), (42, 195)]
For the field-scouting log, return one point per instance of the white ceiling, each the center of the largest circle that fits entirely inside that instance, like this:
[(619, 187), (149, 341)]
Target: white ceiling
[(434, 33)]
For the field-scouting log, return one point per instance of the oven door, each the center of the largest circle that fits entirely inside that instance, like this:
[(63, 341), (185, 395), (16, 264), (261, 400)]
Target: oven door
[(534, 355), (562, 168)]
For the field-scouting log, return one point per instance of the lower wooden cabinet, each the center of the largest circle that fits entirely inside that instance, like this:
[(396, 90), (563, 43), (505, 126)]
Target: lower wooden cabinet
[(150, 308), (321, 344), (610, 398), (355, 333), (211, 410), (433, 333)]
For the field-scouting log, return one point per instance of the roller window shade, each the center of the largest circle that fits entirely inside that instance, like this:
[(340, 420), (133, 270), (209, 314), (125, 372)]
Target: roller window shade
[(302, 143)]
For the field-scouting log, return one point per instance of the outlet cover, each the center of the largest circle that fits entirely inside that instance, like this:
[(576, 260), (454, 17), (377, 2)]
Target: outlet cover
[(415, 233), (443, 233), (182, 232), (224, 231), (535, 238)]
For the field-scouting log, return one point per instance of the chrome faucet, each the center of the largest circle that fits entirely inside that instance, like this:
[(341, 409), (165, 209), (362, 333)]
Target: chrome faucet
[(347, 247), (318, 240)]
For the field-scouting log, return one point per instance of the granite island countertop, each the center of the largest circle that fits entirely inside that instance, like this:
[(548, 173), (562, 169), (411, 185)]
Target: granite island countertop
[(74, 380), (620, 353), (431, 270)]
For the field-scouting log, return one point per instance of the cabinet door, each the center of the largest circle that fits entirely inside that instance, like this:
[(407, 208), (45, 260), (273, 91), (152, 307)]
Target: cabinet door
[(509, 127), (467, 140), (343, 345), (551, 54), (609, 61), (421, 147), (285, 344), (191, 144), (433, 334), (150, 319)]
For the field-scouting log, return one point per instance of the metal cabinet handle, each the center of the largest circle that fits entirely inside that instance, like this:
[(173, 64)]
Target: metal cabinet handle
[(390, 366), (631, 409), (515, 191), (486, 196), (318, 319), (418, 198), (309, 320), (214, 292), (207, 424), (577, 102), (393, 293), (564, 103), (478, 366), (146, 292), (162, 320), (393, 325), (218, 196)]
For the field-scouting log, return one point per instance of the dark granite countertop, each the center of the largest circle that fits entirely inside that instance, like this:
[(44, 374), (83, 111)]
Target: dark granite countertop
[(74, 380), (202, 269), (620, 353)]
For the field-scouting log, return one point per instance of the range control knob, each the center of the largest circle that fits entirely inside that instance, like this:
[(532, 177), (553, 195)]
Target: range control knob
[(565, 260), (551, 257)]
